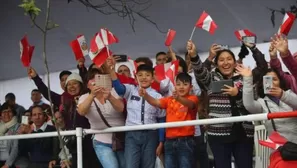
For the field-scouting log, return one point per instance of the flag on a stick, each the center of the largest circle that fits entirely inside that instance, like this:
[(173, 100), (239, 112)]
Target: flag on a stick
[(79, 47)]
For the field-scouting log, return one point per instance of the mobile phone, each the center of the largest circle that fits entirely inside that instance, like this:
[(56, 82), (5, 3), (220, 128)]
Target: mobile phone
[(267, 84), (224, 47), (121, 58), (25, 120), (217, 86), (103, 80), (249, 39)]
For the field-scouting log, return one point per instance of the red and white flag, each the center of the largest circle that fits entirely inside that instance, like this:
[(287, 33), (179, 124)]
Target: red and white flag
[(274, 141), (171, 73), (107, 37), (26, 51), (287, 24), (170, 36), (98, 51), (161, 69), (242, 33), (205, 22), (133, 65), (79, 47)]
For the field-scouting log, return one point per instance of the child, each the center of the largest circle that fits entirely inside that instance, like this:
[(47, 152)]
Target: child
[(180, 143), (140, 146)]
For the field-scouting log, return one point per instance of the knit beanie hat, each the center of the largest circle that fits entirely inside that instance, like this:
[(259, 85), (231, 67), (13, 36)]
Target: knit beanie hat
[(74, 76)]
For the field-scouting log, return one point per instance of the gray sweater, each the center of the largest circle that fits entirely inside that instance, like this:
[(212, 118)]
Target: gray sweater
[(9, 148), (287, 127)]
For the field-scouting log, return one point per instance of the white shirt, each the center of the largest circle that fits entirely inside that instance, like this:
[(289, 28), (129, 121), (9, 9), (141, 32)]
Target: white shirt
[(113, 117), (43, 127)]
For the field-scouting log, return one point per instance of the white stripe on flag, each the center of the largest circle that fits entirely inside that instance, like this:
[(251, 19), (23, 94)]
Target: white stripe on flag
[(104, 36), (21, 49), (167, 66), (82, 41), (99, 42), (206, 23), (241, 33), (284, 20)]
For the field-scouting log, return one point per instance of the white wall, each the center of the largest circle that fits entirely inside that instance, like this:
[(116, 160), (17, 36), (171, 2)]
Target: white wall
[(22, 87)]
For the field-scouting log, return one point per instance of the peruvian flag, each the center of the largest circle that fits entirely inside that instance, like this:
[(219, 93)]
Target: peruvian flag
[(171, 72), (26, 51), (205, 22), (170, 36), (107, 37), (133, 65), (274, 141), (242, 33), (287, 23), (79, 47), (161, 69), (98, 51)]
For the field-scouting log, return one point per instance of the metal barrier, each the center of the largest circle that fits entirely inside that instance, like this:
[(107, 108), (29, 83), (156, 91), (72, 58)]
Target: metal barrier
[(79, 132)]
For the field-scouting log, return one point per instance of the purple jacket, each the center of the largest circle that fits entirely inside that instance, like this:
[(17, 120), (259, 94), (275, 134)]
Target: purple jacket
[(291, 64)]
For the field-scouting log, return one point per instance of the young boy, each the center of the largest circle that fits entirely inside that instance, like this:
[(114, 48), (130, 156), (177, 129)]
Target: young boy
[(180, 143), (140, 146)]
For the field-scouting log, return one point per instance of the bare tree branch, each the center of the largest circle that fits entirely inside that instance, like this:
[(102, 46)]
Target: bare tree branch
[(123, 8)]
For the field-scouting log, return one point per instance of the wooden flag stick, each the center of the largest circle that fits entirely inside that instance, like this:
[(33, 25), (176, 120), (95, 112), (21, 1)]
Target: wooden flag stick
[(192, 33)]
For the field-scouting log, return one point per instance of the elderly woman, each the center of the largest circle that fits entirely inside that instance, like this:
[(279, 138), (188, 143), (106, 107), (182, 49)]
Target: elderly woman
[(9, 126), (101, 101)]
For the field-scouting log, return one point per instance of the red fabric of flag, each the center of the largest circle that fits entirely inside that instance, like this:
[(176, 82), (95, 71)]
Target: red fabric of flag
[(287, 24), (170, 36), (26, 51), (205, 22), (241, 33)]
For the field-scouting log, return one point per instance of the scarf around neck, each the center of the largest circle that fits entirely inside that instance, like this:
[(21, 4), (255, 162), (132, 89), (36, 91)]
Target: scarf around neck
[(5, 126)]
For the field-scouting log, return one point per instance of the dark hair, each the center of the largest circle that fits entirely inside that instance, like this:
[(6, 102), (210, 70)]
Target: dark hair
[(124, 66), (10, 96), (91, 66), (64, 73), (160, 53), (35, 90), (145, 68), (182, 63), (222, 51), (146, 60), (184, 77), (92, 72), (6, 106), (28, 111), (260, 88)]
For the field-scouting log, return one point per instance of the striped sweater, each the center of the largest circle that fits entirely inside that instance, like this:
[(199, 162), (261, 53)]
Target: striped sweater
[(221, 106)]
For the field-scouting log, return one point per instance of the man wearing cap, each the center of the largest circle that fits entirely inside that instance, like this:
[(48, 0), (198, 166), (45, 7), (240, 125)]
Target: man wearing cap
[(56, 98)]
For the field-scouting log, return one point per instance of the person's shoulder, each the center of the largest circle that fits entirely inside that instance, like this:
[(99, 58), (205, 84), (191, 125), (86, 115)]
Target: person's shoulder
[(20, 107), (155, 92), (193, 97), (50, 128), (84, 96)]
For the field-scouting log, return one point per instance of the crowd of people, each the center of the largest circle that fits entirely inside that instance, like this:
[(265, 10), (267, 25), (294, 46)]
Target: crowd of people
[(145, 99)]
